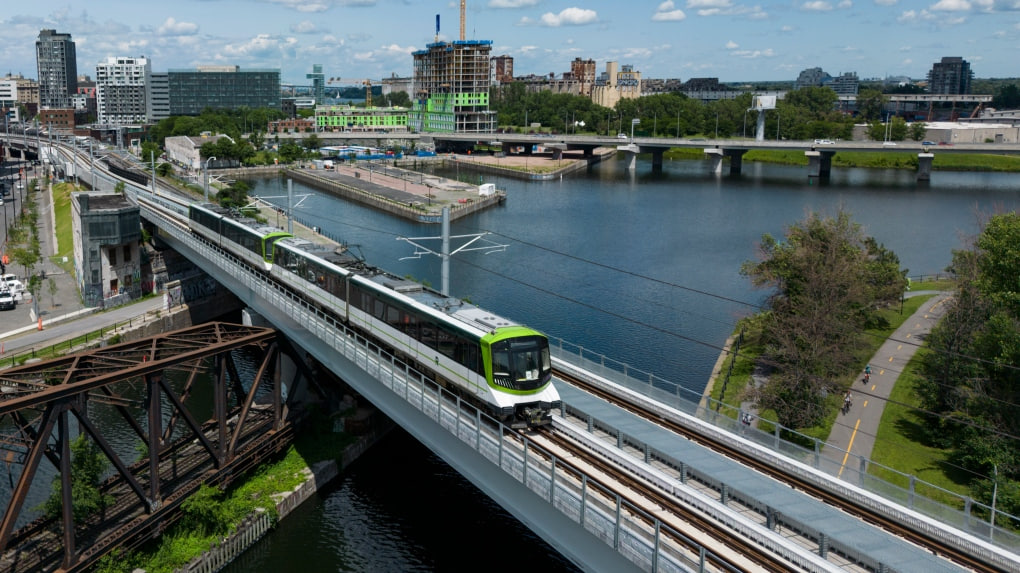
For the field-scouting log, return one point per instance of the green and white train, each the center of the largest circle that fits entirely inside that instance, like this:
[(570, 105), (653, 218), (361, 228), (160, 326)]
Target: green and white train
[(501, 366)]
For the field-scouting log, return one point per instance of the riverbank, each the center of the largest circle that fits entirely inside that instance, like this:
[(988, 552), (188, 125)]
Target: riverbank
[(875, 160)]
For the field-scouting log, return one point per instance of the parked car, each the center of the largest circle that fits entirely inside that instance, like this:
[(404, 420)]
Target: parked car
[(888, 143), (927, 143), (6, 300), (621, 136), (824, 142)]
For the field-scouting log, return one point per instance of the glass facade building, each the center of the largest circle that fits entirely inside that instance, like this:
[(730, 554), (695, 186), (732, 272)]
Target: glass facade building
[(222, 87)]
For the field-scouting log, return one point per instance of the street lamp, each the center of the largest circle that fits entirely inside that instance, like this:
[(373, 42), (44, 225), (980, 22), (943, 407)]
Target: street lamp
[(779, 119), (207, 177), (745, 123), (717, 125)]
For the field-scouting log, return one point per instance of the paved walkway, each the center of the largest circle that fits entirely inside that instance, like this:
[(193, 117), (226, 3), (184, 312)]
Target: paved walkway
[(853, 435)]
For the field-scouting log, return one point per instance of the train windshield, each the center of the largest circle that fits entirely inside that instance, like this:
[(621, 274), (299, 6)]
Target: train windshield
[(521, 363)]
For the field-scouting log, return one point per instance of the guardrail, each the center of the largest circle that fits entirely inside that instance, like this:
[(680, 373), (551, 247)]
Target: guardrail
[(634, 533), (918, 495)]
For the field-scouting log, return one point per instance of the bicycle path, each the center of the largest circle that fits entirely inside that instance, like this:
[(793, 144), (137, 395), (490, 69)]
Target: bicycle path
[(852, 437)]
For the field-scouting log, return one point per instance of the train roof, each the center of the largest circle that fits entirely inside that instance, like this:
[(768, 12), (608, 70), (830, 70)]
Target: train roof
[(466, 313)]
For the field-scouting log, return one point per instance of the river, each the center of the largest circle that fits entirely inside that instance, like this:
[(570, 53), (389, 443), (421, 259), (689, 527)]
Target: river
[(641, 266)]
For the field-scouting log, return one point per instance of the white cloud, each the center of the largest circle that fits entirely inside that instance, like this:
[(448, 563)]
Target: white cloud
[(786, 29), (512, 3), (952, 6), (304, 27), (753, 54), (570, 17), (709, 4), (260, 46), (845, 4), (817, 6), (731, 45), (886, 2), (172, 27), (669, 16)]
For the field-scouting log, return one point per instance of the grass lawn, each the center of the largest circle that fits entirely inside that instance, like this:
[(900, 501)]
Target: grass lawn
[(751, 349), (900, 444), (62, 216)]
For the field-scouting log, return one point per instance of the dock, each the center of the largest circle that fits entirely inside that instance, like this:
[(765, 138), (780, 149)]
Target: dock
[(414, 196)]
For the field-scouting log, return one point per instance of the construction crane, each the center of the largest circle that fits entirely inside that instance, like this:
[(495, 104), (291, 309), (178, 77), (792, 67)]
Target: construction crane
[(357, 81)]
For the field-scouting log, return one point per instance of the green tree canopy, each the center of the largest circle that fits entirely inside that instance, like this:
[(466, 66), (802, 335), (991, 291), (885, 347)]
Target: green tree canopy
[(828, 282), (970, 377)]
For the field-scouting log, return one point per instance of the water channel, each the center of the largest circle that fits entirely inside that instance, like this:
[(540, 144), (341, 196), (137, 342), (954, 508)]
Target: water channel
[(641, 266)]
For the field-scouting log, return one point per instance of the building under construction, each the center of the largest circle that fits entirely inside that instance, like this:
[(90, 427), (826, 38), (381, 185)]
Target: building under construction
[(451, 86)]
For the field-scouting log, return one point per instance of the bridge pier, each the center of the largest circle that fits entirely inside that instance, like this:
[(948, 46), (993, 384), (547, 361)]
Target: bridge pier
[(657, 160), (632, 153), (924, 161), (715, 155), (819, 163), (736, 159)]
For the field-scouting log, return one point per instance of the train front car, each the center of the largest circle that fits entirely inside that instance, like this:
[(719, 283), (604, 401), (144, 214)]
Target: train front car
[(519, 372)]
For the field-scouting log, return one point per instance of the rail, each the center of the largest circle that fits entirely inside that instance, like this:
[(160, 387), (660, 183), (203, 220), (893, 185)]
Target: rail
[(522, 459), (918, 495)]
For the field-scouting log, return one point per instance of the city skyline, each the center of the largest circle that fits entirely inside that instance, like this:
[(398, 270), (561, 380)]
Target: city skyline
[(728, 39)]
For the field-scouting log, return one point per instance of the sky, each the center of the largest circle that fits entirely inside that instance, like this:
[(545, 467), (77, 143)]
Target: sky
[(733, 40)]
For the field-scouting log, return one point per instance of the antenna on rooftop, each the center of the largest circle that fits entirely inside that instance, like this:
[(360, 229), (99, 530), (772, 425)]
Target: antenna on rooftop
[(437, 28)]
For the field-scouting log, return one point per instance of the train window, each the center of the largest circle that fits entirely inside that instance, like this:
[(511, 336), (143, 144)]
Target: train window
[(500, 362), (379, 309), (393, 317)]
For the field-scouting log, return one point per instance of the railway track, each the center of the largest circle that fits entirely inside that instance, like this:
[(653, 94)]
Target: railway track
[(38, 546), (866, 514), (654, 502)]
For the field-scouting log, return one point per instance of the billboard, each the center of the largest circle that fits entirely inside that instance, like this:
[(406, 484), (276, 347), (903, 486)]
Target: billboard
[(764, 102)]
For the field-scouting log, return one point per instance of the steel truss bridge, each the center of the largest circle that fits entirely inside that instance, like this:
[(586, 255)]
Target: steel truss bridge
[(130, 383)]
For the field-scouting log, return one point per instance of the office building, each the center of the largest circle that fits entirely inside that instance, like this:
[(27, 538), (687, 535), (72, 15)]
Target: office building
[(159, 97), (58, 69), (222, 87), (122, 91), (845, 84), (318, 84), (950, 76)]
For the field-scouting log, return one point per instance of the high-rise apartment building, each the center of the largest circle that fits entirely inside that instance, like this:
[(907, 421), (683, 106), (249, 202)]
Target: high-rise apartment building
[(222, 87), (451, 88), (58, 69), (950, 76), (123, 91)]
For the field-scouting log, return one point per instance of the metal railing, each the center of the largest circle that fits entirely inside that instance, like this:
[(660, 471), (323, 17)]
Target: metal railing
[(963, 512), (634, 533)]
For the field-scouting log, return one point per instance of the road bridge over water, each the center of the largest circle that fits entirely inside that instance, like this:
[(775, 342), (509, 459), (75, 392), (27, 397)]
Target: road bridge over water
[(604, 532)]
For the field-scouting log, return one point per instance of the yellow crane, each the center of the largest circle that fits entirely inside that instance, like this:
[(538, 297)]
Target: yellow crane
[(357, 81)]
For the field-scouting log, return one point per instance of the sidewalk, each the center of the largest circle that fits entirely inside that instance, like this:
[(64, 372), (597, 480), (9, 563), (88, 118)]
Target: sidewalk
[(853, 435)]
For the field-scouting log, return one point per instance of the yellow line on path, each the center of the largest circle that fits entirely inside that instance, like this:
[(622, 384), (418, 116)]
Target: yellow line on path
[(851, 445)]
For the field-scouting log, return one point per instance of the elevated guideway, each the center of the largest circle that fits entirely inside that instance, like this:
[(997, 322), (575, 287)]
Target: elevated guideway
[(528, 481)]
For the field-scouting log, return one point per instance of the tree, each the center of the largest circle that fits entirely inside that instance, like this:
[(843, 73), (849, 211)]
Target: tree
[(918, 130), (119, 187), (87, 467), (870, 103), (1008, 97), (53, 289), (970, 376), (829, 281)]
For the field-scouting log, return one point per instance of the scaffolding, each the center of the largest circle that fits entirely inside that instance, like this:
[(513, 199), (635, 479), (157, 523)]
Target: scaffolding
[(451, 88)]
